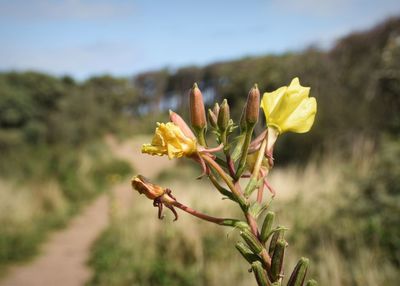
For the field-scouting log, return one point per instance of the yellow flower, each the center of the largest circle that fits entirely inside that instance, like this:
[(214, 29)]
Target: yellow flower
[(170, 140), (289, 108)]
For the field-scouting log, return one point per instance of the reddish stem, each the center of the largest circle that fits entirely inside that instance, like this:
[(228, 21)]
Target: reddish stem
[(231, 166), (253, 224), (198, 214)]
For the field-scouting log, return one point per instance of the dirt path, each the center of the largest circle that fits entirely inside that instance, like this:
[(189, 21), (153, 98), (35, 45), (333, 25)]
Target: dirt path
[(64, 256)]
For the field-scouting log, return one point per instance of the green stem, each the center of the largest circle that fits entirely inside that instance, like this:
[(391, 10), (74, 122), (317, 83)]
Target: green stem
[(221, 189), (243, 158), (238, 195), (260, 157), (201, 136), (229, 162)]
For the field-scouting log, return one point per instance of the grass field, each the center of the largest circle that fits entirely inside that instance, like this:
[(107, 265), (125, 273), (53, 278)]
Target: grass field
[(318, 202)]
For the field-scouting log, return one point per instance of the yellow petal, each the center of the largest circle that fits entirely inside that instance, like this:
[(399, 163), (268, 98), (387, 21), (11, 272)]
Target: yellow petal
[(289, 108), (296, 88), (302, 118), (290, 101), (170, 140), (271, 99)]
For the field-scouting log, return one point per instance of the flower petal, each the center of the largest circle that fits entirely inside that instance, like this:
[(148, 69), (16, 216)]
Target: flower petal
[(290, 101), (271, 99), (170, 140), (302, 118)]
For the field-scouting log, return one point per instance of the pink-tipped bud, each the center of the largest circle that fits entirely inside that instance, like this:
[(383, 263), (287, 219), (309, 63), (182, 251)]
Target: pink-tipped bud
[(197, 110), (253, 106), (178, 120)]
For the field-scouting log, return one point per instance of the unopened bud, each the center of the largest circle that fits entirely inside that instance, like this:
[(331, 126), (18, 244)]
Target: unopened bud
[(253, 106), (246, 252), (216, 109), (277, 260), (276, 236), (212, 118), (252, 241), (178, 120), (224, 116), (260, 274), (197, 110), (299, 273), (266, 227)]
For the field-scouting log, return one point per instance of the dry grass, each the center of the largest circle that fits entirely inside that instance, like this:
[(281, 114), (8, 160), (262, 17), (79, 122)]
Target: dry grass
[(20, 206), (129, 253)]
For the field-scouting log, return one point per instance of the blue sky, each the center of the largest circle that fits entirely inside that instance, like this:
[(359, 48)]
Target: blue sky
[(84, 38)]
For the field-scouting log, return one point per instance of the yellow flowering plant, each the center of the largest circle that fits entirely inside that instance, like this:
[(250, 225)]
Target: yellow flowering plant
[(287, 109)]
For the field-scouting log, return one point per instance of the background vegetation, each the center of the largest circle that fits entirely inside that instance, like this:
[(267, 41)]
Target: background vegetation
[(53, 159), (343, 208)]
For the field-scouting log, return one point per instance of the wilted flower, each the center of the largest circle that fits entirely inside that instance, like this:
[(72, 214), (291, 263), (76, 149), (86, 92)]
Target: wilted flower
[(170, 140), (289, 108), (160, 196), (143, 186)]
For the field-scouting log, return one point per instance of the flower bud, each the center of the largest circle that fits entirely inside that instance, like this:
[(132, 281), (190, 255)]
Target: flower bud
[(276, 236), (246, 252), (224, 116), (277, 260), (216, 109), (212, 119), (252, 241), (178, 120), (299, 273), (266, 227), (197, 111), (260, 274), (253, 106)]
